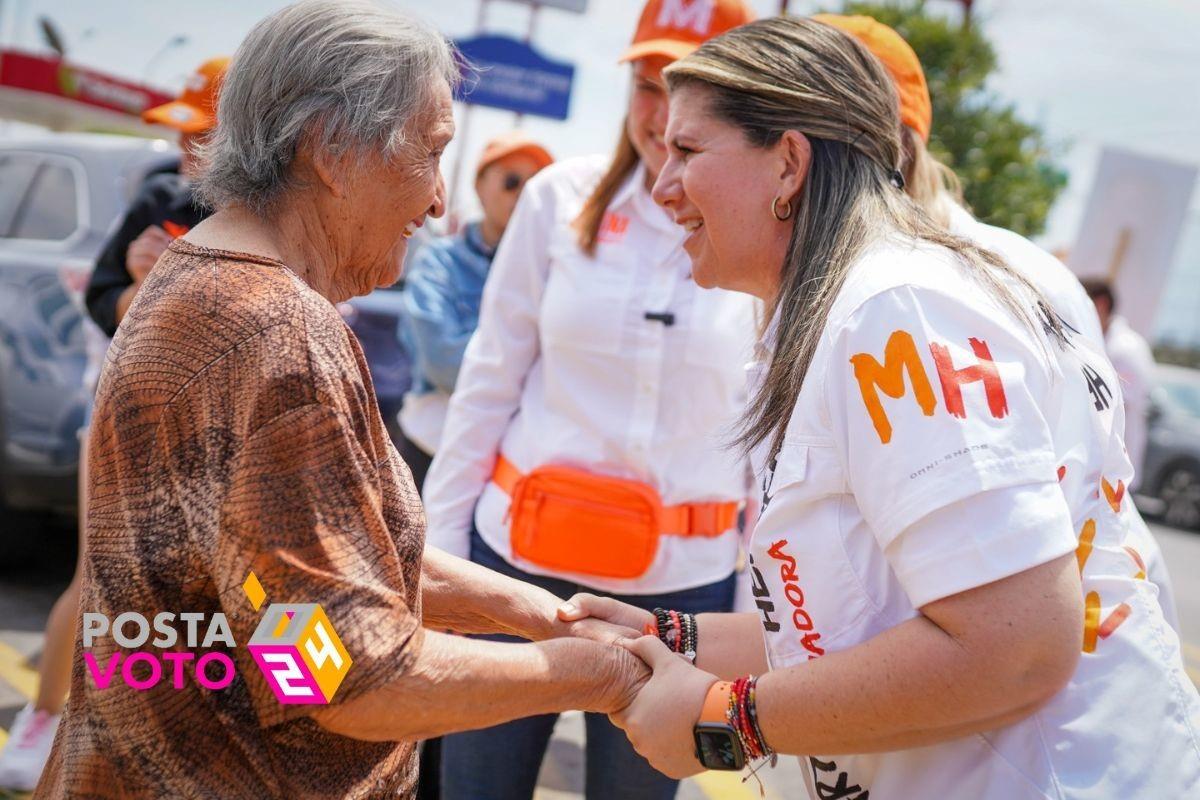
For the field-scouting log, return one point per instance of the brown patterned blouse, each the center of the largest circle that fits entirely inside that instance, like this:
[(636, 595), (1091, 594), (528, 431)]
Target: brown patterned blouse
[(236, 429)]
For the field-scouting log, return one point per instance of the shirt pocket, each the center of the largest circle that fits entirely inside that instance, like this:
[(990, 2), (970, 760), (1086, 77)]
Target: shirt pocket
[(809, 467), (586, 302), (809, 596)]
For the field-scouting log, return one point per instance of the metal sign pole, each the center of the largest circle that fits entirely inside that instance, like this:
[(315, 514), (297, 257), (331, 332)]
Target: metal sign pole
[(533, 15), (452, 203)]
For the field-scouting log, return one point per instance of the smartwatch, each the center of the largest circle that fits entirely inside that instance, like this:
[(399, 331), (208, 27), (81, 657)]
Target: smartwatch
[(718, 745)]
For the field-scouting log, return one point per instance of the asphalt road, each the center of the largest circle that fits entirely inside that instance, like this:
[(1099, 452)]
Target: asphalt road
[(30, 584)]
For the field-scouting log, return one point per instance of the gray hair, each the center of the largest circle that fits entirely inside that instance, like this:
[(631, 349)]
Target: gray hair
[(347, 76)]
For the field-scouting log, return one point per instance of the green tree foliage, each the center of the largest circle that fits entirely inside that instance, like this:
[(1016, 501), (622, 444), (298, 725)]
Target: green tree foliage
[(1009, 178)]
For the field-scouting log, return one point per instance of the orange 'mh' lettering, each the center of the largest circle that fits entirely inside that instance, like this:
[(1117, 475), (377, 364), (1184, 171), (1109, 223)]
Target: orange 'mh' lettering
[(953, 379), (613, 227), (899, 356)]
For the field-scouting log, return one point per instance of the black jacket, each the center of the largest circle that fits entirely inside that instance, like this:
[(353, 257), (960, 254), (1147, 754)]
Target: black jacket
[(163, 198)]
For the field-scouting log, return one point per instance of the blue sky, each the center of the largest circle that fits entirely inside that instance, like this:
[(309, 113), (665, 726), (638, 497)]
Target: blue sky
[(1091, 72)]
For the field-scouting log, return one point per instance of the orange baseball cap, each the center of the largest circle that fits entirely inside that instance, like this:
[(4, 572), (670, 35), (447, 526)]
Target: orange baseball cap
[(674, 28), (508, 144), (195, 111), (916, 110)]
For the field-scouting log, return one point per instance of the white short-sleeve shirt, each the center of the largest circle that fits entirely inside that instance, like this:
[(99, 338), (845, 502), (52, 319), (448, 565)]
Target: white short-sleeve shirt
[(940, 443)]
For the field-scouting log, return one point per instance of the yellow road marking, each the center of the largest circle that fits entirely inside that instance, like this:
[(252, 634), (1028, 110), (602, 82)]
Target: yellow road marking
[(16, 672), (727, 786), (3, 737), (1192, 652)]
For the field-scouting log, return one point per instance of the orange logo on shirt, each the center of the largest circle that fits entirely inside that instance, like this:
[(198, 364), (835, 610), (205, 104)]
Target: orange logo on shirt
[(795, 595), (1093, 628), (901, 356), (613, 227), (1113, 496)]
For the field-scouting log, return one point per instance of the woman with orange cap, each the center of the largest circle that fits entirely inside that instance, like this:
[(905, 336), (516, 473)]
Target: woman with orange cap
[(163, 209), (582, 447)]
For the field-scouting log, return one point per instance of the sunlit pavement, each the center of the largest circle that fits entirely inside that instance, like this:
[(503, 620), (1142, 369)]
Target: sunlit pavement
[(27, 593)]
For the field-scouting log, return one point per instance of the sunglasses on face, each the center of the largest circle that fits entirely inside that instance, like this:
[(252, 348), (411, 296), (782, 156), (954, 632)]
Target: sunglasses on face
[(513, 182)]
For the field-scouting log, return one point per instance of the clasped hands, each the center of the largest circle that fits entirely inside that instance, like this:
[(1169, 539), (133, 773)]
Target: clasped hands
[(664, 703)]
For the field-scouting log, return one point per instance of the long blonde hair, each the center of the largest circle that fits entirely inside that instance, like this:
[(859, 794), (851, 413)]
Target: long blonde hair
[(782, 74)]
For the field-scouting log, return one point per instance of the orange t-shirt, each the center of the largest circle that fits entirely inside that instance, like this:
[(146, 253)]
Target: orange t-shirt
[(236, 430)]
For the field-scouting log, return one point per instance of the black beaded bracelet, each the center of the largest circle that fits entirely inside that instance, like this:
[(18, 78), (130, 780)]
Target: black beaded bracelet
[(690, 635), (687, 635)]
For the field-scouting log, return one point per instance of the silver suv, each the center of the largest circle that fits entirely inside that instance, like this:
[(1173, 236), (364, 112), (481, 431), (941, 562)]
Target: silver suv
[(60, 197)]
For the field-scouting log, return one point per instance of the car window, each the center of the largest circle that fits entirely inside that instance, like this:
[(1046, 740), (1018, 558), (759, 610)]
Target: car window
[(16, 171), (1183, 396), (50, 209)]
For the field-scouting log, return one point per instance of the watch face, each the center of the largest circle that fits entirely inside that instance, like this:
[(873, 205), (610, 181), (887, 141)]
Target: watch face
[(718, 747)]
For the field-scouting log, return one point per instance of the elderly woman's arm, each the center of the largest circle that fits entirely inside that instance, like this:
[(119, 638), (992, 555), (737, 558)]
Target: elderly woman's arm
[(304, 514), (455, 684), (463, 597)]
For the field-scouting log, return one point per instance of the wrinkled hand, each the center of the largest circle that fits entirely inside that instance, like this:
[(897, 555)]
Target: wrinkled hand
[(660, 719), (549, 623), (623, 675), (144, 251), (597, 630), (584, 606)]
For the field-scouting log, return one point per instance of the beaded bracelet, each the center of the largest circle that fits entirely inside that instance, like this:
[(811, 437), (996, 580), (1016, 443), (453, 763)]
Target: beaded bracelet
[(742, 715), (689, 637), (677, 630)]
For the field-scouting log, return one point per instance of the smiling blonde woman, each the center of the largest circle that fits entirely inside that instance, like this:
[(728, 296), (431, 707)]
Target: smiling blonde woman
[(948, 601)]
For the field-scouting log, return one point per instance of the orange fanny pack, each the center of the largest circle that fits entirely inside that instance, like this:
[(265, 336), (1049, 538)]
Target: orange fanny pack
[(566, 519)]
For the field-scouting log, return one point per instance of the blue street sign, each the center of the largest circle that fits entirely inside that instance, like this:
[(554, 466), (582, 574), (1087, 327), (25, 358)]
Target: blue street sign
[(513, 76)]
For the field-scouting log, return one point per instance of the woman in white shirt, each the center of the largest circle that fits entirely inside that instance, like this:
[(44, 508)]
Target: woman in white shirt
[(582, 447), (936, 189), (946, 592)]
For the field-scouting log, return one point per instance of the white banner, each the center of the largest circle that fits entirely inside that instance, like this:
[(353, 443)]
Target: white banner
[(1129, 231)]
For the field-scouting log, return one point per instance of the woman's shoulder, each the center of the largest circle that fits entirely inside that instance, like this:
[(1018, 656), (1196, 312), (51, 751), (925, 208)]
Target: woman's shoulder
[(927, 272), (238, 292)]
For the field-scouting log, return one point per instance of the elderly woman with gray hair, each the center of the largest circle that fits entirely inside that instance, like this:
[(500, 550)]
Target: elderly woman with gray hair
[(238, 460)]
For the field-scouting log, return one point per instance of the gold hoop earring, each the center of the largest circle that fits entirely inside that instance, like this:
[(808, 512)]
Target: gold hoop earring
[(775, 210)]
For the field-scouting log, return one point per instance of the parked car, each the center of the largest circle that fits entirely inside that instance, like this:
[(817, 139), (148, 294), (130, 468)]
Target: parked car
[(1172, 467), (60, 196)]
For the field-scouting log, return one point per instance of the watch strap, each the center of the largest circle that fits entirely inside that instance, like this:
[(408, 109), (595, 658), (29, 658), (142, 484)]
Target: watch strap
[(716, 702)]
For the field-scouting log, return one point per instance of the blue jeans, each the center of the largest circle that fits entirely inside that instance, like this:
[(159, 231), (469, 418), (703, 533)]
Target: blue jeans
[(502, 763)]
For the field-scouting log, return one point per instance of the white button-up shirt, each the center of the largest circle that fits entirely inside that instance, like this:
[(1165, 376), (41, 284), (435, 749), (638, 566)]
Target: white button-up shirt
[(566, 369)]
